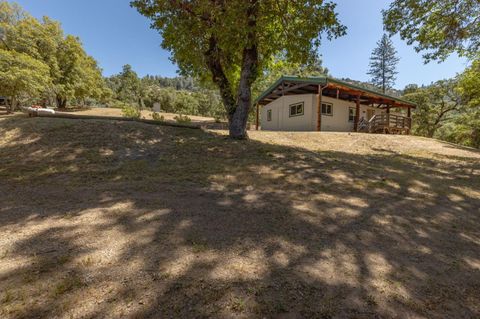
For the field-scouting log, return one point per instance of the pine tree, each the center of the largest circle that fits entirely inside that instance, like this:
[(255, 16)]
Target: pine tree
[(383, 64)]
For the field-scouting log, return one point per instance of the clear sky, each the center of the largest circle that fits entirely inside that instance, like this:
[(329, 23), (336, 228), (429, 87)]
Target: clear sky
[(115, 34)]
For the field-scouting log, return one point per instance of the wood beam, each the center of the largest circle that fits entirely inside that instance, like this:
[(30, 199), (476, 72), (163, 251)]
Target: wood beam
[(357, 114), (319, 108), (256, 120), (388, 116), (409, 115)]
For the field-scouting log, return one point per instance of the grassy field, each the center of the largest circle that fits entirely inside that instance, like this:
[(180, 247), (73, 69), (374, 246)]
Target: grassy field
[(147, 114), (122, 219)]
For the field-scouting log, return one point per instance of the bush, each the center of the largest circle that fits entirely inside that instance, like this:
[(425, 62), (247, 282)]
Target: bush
[(131, 111), (182, 119), (157, 117)]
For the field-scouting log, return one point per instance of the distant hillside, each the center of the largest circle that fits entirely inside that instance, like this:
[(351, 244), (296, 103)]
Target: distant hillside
[(393, 92)]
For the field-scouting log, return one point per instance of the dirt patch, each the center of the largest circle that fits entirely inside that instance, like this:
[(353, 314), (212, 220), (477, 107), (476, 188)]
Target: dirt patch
[(120, 219)]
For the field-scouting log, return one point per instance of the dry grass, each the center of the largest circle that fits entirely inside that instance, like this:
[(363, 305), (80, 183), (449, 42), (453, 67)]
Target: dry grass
[(102, 111), (120, 219)]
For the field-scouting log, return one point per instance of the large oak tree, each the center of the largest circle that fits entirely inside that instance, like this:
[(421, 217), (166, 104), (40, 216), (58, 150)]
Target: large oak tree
[(72, 74), (234, 41), (438, 28)]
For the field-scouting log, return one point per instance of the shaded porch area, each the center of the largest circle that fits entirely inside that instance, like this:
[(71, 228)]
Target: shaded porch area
[(386, 124)]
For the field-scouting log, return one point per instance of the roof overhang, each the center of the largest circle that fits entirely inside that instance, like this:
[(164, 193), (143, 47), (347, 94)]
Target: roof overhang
[(291, 85)]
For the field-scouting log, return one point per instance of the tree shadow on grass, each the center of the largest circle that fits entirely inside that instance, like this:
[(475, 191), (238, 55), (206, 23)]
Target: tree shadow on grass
[(107, 219)]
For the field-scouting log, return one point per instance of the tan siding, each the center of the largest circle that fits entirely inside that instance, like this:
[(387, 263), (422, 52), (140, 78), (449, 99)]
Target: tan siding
[(338, 122)]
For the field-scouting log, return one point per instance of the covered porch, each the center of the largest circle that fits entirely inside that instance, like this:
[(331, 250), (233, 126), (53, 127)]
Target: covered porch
[(387, 124), (387, 121)]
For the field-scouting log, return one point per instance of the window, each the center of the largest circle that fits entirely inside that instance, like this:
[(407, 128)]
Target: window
[(296, 109), (327, 109), (351, 114), (269, 115)]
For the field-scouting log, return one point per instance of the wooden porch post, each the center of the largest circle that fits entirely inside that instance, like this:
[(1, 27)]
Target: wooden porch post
[(357, 114), (388, 116), (256, 120), (409, 115), (319, 108)]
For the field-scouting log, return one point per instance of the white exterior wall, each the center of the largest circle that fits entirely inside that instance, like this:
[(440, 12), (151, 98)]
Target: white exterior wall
[(281, 120), (338, 122)]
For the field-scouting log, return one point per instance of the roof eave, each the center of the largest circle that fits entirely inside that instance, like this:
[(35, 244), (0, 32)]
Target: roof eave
[(325, 80)]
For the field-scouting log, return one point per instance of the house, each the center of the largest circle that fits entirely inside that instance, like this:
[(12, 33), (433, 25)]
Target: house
[(327, 104)]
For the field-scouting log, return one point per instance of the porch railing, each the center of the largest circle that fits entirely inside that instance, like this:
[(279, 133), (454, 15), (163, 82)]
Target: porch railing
[(389, 123)]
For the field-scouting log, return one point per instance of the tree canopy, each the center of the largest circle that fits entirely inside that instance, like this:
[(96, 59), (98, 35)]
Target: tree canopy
[(21, 74), (469, 84), (233, 41), (435, 104), (72, 73), (438, 27)]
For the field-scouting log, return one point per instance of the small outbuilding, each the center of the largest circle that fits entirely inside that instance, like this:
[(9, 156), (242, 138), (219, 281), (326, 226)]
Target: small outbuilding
[(327, 104)]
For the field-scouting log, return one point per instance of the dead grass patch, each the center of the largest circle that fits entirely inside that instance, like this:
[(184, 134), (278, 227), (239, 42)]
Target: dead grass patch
[(118, 219)]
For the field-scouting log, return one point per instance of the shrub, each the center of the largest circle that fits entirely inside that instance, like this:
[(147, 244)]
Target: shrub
[(131, 111), (157, 117), (182, 119)]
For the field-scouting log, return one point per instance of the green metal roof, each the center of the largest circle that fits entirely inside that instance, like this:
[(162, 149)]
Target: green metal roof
[(324, 80)]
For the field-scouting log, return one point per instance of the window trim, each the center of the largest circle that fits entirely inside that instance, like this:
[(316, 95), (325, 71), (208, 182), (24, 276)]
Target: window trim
[(269, 115), (331, 109), (354, 111), (296, 105)]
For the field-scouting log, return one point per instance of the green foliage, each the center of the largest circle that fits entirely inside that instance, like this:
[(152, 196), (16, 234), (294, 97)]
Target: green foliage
[(370, 86), (438, 27), (449, 109), (383, 64), (157, 117), (435, 106), (79, 75), (463, 129), (131, 111), (469, 84), (232, 42), (128, 88), (280, 66), (73, 74), (178, 83), (182, 119), (187, 35), (21, 75)]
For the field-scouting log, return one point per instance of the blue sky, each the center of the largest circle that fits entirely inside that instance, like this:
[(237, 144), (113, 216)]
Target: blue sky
[(116, 34)]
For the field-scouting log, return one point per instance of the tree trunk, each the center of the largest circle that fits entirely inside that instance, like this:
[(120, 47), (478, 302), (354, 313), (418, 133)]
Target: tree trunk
[(237, 111), (61, 102), (431, 132), (238, 120), (12, 106), (213, 57)]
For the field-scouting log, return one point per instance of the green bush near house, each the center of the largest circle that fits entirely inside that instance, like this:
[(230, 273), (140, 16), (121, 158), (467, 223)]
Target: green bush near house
[(157, 117), (182, 119), (131, 111)]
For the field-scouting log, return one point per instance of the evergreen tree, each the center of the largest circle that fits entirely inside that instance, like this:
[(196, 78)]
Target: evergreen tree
[(383, 64)]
